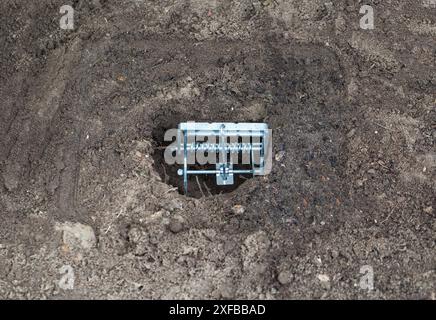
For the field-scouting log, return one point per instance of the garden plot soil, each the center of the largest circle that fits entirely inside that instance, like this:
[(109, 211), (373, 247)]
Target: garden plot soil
[(83, 184)]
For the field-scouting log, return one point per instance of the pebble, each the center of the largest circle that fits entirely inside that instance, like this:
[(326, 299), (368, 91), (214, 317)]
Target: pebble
[(323, 277), (359, 182), (10, 178), (238, 209), (96, 3), (325, 280), (77, 235), (173, 204), (176, 224), (351, 133), (335, 253), (428, 210), (279, 156), (227, 291), (285, 277)]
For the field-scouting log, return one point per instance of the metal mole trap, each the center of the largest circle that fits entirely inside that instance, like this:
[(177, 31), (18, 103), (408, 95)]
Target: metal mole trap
[(228, 141)]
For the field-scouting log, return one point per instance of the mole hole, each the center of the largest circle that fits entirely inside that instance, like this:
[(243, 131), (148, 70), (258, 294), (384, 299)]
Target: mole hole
[(198, 185)]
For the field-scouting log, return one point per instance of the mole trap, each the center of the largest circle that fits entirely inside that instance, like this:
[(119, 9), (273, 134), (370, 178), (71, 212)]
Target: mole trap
[(222, 149)]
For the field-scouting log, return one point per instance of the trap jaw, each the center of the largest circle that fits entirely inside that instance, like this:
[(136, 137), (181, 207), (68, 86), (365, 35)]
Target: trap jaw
[(249, 139)]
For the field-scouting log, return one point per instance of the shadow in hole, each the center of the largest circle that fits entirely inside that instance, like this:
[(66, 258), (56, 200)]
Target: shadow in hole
[(198, 185)]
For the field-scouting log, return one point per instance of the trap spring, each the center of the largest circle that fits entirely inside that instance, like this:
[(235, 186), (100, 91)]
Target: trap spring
[(228, 141)]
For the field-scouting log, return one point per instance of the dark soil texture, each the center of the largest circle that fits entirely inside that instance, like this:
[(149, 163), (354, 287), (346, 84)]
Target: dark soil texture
[(82, 118)]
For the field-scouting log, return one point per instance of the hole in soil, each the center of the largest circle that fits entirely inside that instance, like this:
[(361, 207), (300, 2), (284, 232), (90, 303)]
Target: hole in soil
[(198, 185)]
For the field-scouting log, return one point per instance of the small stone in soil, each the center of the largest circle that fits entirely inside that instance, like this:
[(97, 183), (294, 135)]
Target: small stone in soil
[(428, 210), (176, 224), (279, 156), (238, 209), (77, 235), (284, 277), (325, 281)]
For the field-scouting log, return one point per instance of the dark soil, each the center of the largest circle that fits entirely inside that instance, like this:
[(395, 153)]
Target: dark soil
[(83, 114)]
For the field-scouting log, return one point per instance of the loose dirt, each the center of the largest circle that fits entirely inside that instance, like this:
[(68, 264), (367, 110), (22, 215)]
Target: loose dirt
[(83, 113)]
